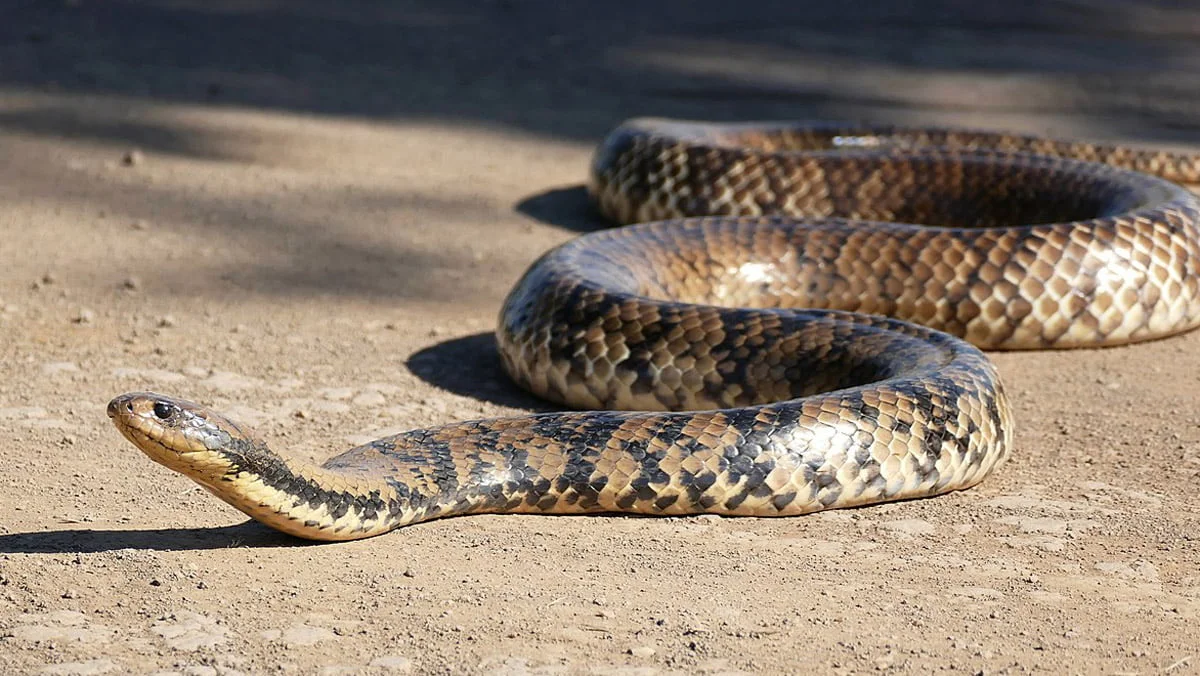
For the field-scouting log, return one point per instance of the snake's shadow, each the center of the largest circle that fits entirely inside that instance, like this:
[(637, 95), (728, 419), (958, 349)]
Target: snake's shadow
[(470, 366), (568, 208), (91, 541)]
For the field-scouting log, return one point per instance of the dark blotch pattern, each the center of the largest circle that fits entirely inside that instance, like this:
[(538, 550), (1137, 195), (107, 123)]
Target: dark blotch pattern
[(746, 354)]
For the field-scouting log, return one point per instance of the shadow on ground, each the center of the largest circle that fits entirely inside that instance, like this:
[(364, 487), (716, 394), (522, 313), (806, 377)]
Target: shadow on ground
[(568, 70), (568, 208), (89, 541), (551, 69), (470, 366)]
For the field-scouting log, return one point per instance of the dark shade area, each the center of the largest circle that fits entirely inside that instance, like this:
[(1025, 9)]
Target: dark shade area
[(574, 68), (88, 541), (470, 366)]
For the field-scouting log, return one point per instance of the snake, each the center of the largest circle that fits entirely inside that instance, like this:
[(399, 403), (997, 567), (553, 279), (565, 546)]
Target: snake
[(792, 319)]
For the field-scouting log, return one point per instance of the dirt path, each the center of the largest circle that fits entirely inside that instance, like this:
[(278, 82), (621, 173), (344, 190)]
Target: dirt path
[(307, 217)]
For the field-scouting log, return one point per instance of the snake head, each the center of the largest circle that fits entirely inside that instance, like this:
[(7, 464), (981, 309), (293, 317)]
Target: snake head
[(182, 435)]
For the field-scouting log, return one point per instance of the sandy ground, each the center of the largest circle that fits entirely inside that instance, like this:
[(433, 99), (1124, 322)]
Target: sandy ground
[(307, 217)]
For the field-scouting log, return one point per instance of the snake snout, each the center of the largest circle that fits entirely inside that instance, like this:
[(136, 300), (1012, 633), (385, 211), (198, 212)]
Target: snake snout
[(145, 410), (125, 405)]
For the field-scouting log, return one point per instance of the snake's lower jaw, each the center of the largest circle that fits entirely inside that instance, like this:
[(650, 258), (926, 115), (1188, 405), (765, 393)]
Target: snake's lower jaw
[(154, 450), (170, 431)]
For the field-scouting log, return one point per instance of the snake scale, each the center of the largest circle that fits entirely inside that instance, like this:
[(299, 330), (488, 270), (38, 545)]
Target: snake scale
[(782, 331)]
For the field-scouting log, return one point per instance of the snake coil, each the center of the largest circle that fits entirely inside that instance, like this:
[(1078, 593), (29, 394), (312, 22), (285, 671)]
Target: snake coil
[(789, 329)]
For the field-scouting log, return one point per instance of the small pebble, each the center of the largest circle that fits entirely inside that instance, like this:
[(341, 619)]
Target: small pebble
[(86, 668), (70, 594), (392, 663), (56, 367), (642, 651), (132, 158), (140, 224), (409, 572), (131, 284), (84, 316), (166, 322), (369, 399), (337, 393)]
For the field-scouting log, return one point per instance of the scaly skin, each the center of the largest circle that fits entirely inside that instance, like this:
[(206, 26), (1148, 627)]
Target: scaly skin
[(723, 394)]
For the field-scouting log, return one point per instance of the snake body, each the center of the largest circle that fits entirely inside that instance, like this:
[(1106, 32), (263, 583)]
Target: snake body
[(733, 352)]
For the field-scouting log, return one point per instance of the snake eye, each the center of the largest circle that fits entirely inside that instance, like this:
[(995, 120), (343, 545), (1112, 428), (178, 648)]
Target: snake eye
[(162, 410)]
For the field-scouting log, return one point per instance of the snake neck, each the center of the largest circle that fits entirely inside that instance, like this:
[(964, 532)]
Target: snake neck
[(302, 498)]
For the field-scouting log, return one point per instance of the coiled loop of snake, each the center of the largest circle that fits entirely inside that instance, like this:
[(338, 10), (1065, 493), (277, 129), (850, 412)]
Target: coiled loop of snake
[(742, 360)]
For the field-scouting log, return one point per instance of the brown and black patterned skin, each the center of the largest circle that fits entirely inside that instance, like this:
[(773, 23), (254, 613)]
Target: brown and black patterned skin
[(737, 363)]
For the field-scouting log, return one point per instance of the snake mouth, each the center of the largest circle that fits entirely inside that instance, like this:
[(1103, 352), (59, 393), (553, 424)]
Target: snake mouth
[(133, 412), (143, 435), (158, 425), (165, 430), (153, 447), (137, 405)]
